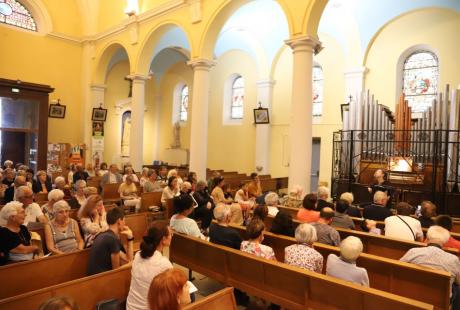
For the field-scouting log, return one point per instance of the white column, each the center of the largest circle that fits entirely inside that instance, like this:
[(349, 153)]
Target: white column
[(157, 117), (265, 97), (300, 129), (136, 141), (354, 86), (199, 117), (97, 99)]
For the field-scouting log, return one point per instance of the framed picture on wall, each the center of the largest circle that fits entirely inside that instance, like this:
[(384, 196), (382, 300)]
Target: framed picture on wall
[(56, 110), (98, 128), (99, 114), (261, 116)]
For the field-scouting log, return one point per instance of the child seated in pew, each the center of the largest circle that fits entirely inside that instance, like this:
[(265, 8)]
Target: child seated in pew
[(344, 267), (169, 290), (15, 239)]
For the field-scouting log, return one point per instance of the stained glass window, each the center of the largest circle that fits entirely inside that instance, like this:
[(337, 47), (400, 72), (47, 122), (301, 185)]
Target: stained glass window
[(318, 80), (183, 104), (14, 13), (420, 80), (237, 106)]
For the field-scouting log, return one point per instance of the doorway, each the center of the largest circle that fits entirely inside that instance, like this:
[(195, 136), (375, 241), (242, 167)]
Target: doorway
[(315, 161)]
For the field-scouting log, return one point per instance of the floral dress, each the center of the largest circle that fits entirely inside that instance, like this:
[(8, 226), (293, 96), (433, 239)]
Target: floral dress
[(258, 250), (303, 256)]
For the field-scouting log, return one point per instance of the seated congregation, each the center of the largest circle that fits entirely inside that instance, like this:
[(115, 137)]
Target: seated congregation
[(75, 219)]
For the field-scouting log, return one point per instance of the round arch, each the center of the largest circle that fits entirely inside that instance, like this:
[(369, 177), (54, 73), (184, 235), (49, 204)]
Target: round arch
[(219, 18), (312, 17), (40, 14), (145, 55), (104, 58)]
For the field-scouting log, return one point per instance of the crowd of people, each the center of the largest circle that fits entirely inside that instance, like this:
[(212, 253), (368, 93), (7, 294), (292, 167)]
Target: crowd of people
[(196, 203)]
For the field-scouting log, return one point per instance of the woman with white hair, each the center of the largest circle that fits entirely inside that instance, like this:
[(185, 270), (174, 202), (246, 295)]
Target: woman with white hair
[(62, 233), (344, 267), (294, 199), (79, 198), (59, 183), (128, 194), (130, 172), (42, 183), (54, 196), (15, 242), (271, 201), (351, 210), (144, 176), (302, 254)]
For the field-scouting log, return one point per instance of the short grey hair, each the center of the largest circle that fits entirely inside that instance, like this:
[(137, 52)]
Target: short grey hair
[(59, 179), (20, 192), (56, 195), (323, 191), (221, 211), (200, 185), (172, 172), (77, 184), (271, 199), (437, 234), (90, 190), (350, 248), (296, 190), (305, 233), (379, 196), (60, 205), (348, 197), (185, 186), (10, 209)]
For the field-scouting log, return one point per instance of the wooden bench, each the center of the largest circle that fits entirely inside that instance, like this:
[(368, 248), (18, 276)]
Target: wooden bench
[(43, 272), (221, 300), (86, 292), (41, 198), (110, 193), (150, 199), (287, 286), (389, 275), (139, 224)]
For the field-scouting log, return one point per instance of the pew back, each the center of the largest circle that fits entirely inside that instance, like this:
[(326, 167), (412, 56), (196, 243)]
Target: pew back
[(150, 199), (222, 300)]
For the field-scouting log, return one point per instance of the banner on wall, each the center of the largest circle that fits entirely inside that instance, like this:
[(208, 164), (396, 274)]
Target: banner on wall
[(97, 151)]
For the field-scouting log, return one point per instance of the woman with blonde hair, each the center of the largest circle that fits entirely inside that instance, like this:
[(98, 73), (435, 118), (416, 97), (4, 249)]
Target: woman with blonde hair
[(93, 219)]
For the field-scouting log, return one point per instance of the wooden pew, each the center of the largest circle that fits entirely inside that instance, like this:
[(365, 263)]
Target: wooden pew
[(43, 272), (94, 182), (86, 292), (221, 300), (110, 193), (138, 223), (150, 199), (269, 185), (41, 198), (287, 286), (389, 275)]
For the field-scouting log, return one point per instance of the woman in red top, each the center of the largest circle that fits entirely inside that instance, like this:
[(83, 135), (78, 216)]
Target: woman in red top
[(307, 213)]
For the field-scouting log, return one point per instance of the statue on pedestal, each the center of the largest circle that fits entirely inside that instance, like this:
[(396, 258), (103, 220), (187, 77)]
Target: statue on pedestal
[(176, 136)]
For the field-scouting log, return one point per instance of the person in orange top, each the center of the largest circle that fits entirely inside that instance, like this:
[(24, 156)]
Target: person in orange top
[(254, 188), (445, 221), (307, 213)]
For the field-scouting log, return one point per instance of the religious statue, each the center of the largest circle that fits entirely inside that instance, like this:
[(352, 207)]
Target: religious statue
[(176, 136), (126, 136)]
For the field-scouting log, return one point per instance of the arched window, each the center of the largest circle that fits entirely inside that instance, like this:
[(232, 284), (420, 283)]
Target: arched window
[(420, 80), (237, 106), (318, 81), (12, 12), (183, 104)]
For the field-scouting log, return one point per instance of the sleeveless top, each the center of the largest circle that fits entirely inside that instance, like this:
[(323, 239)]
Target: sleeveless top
[(65, 241)]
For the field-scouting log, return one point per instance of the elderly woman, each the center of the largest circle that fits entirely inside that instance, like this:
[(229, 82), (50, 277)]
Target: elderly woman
[(271, 201), (130, 172), (294, 199), (170, 191), (128, 193), (144, 176), (255, 234), (54, 196), (302, 254), (152, 184), (93, 219), (307, 213), (79, 198), (62, 234), (180, 221), (351, 210), (42, 183), (59, 183), (15, 242), (218, 193), (344, 267), (205, 203), (148, 263)]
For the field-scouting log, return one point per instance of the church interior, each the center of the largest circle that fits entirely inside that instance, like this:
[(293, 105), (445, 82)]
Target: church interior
[(313, 101)]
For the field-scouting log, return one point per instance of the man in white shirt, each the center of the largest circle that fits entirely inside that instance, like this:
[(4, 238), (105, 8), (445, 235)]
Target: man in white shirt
[(113, 176), (33, 211), (402, 225)]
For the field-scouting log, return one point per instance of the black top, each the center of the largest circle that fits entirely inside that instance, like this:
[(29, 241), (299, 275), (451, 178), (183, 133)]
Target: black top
[(10, 240), (9, 194), (202, 198), (8, 182), (323, 204), (37, 186), (105, 244), (224, 236), (353, 211), (376, 212), (426, 222), (73, 203), (286, 231), (80, 176)]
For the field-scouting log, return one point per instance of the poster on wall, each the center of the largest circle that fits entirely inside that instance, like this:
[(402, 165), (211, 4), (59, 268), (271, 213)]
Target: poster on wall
[(77, 154), (98, 128), (97, 150)]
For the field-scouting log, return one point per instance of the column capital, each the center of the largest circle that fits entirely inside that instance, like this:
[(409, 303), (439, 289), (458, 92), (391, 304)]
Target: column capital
[(138, 78), (98, 87), (356, 72), (304, 43), (266, 83), (201, 64)]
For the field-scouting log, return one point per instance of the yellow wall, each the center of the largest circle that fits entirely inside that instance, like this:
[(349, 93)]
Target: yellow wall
[(111, 13), (50, 61), (437, 28), (232, 146), (65, 16)]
